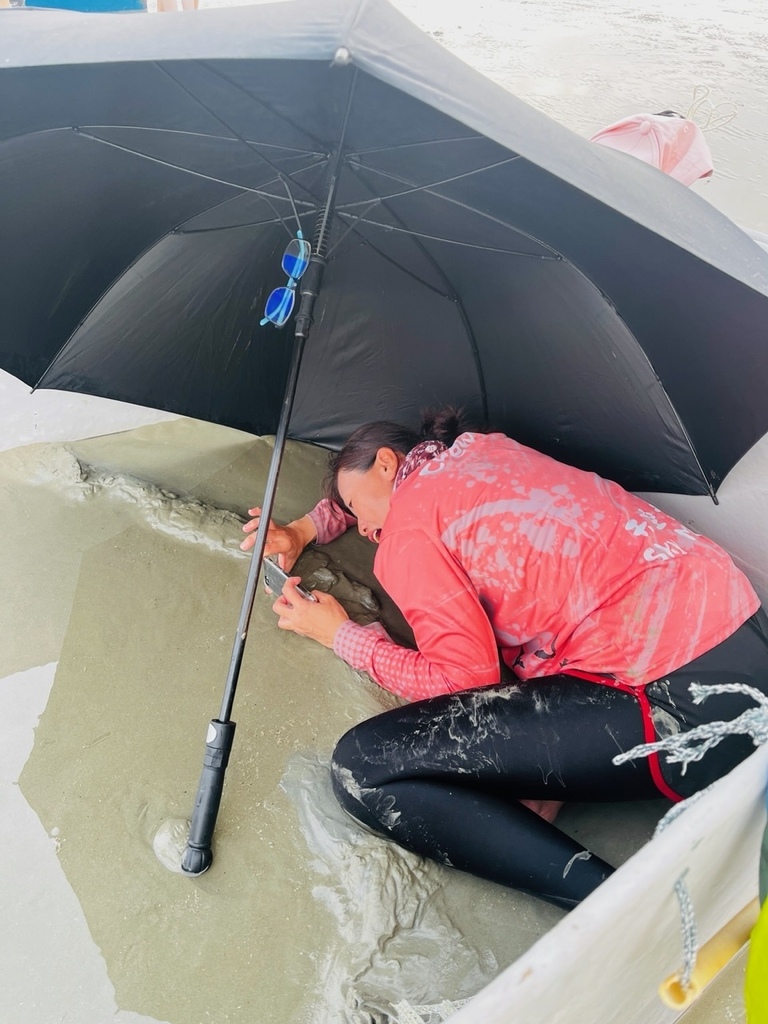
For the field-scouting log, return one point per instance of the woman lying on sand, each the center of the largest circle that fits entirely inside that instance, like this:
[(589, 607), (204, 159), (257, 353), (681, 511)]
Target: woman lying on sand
[(603, 608)]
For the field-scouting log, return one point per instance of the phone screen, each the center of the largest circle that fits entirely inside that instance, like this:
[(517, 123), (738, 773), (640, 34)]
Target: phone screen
[(275, 578)]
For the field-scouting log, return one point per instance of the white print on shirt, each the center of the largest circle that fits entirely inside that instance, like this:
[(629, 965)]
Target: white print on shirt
[(462, 444), (652, 519), (661, 552), (658, 552), (639, 529)]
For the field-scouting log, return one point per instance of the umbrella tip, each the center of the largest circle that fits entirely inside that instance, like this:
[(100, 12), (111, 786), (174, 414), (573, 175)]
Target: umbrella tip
[(342, 56), (195, 860)]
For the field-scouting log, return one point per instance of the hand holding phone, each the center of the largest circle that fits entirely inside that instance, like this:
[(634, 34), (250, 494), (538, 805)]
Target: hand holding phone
[(276, 578), (320, 622)]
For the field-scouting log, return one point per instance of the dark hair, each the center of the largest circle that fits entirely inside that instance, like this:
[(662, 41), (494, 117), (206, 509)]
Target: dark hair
[(359, 452)]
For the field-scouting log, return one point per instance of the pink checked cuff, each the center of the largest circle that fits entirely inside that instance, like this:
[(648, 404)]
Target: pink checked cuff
[(329, 521), (354, 643)]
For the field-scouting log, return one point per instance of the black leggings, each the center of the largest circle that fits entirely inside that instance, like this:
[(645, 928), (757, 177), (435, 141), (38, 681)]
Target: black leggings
[(443, 776)]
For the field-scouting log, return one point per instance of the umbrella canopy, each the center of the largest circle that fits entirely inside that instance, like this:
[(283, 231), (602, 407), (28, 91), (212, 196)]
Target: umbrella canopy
[(154, 169)]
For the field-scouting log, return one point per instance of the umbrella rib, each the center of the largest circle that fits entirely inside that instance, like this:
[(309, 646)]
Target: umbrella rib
[(675, 413), (354, 165), (188, 170), (176, 230), (253, 99), (444, 293), (451, 296), (252, 146), (181, 230), (71, 337), (687, 437), (455, 202), (218, 117), (555, 256), (167, 131), (421, 142), (644, 355), (242, 190), (230, 227), (450, 241), (203, 135), (85, 131), (451, 293)]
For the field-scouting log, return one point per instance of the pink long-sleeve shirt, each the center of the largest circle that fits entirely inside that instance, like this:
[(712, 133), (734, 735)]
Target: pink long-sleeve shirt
[(494, 548)]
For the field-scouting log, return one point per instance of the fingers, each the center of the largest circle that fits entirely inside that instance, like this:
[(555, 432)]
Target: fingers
[(250, 541), (290, 605), (319, 620), (283, 609), (253, 522), (252, 526), (291, 593)]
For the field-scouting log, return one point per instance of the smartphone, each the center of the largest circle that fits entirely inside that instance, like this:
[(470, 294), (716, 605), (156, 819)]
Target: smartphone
[(275, 578)]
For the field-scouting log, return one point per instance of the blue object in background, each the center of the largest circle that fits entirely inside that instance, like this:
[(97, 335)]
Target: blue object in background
[(89, 6)]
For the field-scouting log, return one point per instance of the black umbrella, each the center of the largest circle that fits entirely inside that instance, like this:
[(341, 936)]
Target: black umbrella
[(466, 249)]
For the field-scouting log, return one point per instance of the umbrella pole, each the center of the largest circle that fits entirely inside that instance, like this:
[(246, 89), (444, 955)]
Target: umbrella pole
[(198, 856)]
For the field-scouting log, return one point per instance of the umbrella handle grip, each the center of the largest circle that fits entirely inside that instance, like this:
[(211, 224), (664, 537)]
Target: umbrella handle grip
[(198, 856)]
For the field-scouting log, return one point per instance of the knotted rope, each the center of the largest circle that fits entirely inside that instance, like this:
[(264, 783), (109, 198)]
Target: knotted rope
[(683, 748), (433, 1014)]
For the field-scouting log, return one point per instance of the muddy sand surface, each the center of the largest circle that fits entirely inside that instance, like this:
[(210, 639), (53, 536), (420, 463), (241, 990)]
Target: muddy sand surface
[(122, 557)]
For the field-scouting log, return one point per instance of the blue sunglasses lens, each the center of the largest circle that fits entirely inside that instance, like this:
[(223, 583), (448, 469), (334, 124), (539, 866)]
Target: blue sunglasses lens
[(296, 257), (279, 306), (280, 302)]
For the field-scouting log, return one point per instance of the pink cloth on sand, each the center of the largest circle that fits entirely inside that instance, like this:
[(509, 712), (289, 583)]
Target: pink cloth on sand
[(674, 145)]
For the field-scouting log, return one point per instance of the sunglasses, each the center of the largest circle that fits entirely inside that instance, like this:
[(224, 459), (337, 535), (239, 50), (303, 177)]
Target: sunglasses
[(280, 302)]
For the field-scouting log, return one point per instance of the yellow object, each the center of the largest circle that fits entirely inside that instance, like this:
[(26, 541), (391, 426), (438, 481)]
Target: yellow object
[(711, 959), (756, 986)]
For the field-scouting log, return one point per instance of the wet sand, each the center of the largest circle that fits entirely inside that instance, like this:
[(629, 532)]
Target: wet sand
[(130, 599), (590, 64)]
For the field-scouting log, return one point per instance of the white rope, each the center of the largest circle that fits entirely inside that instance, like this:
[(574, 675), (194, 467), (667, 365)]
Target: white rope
[(428, 1014), (689, 930), (406, 1014), (682, 748), (687, 914), (677, 809)]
